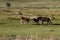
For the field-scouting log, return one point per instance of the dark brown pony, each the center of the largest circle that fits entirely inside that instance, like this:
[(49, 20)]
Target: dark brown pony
[(45, 19)]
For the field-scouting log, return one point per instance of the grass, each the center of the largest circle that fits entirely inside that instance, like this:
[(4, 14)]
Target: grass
[(29, 0), (10, 26), (34, 3), (14, 27)]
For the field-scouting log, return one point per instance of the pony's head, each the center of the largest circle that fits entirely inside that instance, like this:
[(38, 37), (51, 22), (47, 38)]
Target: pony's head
[(39, 18)]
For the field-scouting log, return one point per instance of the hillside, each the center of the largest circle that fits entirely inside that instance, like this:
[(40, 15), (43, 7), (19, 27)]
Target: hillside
[(32, 3), (28, 0)]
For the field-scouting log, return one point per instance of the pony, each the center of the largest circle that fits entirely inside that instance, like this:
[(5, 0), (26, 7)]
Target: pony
[(44, 19), (24, 20)]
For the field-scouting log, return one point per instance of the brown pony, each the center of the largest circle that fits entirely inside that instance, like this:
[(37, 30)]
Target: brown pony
[(45, 19), (24, 20)]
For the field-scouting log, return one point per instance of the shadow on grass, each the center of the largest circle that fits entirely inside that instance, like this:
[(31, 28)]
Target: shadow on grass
[(46, 24), (36, 24), (2, 23), (56, 24)]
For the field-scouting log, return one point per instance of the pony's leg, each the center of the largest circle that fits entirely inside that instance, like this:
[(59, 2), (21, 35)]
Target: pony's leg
[(27, 21), (42, 22), (38, 22), (35, 22), (22, 22), (48, 22), (51, 22)]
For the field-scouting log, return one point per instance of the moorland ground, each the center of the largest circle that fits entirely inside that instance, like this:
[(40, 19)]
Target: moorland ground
[(10, 22)]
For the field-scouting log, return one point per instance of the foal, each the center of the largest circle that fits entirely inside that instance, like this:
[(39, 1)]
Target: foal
[(24, 20)]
